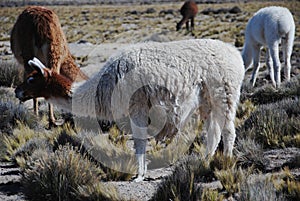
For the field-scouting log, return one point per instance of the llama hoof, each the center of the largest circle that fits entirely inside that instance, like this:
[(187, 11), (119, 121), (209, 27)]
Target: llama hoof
[(59, 122), (139, 179), (56, 123)]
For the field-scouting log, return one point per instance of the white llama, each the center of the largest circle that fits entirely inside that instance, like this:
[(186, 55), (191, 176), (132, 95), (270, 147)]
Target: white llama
[(177, 77), (267, 28)]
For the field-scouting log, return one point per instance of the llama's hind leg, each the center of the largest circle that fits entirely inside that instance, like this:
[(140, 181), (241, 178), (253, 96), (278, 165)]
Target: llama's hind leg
[(287, 47), (274, 52), (213, 134), (187, 25), (270, 66), (256, 65), (228, 135), (192, 24)]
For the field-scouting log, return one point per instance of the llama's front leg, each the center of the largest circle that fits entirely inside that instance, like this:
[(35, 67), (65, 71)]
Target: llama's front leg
[(139, 132), (140, 148), (52, 121)]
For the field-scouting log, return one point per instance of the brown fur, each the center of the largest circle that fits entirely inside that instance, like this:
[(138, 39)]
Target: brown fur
[(47, 85), (38, 33), (188, 11)]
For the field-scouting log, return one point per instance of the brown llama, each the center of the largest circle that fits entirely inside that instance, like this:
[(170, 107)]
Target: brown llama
[(38, 33), (188, 11)]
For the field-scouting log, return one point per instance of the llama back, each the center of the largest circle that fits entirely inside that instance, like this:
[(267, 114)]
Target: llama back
[(273, 18), (180, 67), (35, 27)]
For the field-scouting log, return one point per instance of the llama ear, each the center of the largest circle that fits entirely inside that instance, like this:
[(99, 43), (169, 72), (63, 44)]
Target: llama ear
[(37, 65)]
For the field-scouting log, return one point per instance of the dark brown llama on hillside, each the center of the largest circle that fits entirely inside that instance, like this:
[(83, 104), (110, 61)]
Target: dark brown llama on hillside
[(188, 11), (38, 33)]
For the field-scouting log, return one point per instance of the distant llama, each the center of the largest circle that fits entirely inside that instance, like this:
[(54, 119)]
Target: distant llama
[(38, 33), (180, 77), (188, 11), (268, 27)]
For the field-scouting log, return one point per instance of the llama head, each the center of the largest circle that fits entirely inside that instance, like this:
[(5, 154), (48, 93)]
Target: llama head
[(35, 83)]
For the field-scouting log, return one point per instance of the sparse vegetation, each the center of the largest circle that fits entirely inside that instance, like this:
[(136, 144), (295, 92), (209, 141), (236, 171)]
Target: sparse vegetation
[(64, 175), (274, 125), (10, 74)]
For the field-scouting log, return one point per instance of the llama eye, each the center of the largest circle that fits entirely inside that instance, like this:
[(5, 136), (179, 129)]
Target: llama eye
[(30, 80)]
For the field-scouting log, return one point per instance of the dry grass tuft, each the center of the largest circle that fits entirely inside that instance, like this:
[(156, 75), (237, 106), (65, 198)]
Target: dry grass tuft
[(62, 175), (10, 74), (274, 125)]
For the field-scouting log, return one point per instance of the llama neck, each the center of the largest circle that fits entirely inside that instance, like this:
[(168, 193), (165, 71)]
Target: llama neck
[(59, 91), (78, 98), (70, 70), (182, 21), (247, 55)]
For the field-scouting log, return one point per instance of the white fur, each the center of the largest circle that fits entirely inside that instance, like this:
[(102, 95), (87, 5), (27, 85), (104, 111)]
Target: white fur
[(198, 74), (267, 28)]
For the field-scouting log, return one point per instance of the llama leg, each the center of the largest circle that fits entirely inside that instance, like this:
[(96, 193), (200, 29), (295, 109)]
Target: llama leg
[(140, 142), (213, 134), (288, 49), (192, 24), (228, 137), (51, 116), (284, 55), (140, 148), (36, 106), (255, 54), (52, 121), (274, 52), (270, 66), (187, 25)]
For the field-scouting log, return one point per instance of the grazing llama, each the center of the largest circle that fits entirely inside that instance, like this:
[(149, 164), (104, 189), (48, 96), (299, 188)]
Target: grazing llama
[(179, 77), (188, 11), (268, 27), (38, 33)]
